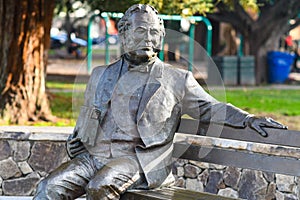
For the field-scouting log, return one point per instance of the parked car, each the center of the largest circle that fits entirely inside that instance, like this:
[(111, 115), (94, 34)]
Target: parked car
[(59, 40), (112, 39)]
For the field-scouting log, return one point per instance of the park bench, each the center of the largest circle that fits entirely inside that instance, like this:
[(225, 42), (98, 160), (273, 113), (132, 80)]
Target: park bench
[(242, 148), (278, 153)]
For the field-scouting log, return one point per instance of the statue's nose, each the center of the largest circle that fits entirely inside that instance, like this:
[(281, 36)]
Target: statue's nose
[(148, 36)]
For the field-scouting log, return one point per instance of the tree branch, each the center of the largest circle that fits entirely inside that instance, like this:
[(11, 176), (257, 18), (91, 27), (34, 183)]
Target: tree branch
[(276, 11), (244, 16), (275, 14), (238, 18), (297, 23)]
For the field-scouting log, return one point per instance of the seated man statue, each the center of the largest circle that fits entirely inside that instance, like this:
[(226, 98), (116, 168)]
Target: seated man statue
[(123, 137)]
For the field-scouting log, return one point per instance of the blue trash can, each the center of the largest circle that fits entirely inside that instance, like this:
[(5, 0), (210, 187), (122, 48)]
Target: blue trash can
[(279, 65)]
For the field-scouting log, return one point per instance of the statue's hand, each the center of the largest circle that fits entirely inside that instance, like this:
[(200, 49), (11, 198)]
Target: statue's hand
[(75, 147), (258, 123)]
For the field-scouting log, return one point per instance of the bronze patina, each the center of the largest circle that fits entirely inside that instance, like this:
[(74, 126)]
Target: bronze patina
[(124, 133)]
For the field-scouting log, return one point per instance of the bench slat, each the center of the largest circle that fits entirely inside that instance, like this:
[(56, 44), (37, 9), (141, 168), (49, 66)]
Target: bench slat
[(173, 193), (240, 159), (237, 145), (276, 136)]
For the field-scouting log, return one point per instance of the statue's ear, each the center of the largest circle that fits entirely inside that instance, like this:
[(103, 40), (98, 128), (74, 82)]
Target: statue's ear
[(160, 47), (122, 39)]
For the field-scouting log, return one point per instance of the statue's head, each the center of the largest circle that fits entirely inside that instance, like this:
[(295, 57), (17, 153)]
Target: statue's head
[(141, 32)]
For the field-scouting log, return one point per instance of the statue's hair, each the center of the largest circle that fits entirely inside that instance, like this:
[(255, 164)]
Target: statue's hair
[(124, 23)]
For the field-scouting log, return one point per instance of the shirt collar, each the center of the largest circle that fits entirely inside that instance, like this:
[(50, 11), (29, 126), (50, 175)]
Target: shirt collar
[(139, 68), (143, 68)]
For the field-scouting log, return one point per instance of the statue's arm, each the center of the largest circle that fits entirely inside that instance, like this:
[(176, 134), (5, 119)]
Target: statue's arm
[(200, 105), (74, 145)]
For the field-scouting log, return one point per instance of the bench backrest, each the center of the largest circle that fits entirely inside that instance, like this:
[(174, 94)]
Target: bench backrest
[(244, 148)]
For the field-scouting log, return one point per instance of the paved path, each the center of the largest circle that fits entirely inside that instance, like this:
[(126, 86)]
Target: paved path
[(78, 67), (69, 66)]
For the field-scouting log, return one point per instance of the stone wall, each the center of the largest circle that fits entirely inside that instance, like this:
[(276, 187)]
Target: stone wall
[(235, 182), (27, 154)]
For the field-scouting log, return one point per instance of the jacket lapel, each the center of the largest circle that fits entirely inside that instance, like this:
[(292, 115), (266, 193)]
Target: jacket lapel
[(106, 86), (153, 84)]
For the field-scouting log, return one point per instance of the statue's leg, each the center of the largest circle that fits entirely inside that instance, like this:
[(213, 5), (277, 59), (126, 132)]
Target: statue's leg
[(67, 181), (114, 179)]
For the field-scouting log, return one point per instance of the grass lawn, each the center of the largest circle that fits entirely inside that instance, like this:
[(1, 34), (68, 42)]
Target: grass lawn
[(64, 86), (280, 104), (275, 101), (61, 99)]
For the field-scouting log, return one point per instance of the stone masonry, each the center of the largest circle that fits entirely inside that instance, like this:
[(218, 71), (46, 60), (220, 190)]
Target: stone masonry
[(235, 182), (27, 154)]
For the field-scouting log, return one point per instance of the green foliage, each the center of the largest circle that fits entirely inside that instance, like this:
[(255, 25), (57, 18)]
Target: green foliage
[(182, 7), (172, 7), (191, 7), (68, 5), (246, 4), (249, 4), (111, 5)]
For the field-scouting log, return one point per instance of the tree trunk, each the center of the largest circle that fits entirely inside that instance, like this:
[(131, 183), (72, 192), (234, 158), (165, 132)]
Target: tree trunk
[(24, 35), (264, 38), (260, 52), (68, 27)]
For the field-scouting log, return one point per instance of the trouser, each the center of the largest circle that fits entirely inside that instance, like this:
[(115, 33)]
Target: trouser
[(84, 174)]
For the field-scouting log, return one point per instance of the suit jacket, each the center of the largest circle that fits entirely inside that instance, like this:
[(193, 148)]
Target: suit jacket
[(169, 94)]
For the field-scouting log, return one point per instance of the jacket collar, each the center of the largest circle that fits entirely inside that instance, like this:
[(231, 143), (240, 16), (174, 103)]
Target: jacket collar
[(106, 86), (153, 84), (109, 78)]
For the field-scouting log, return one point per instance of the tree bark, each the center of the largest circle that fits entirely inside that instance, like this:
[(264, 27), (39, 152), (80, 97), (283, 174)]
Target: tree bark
[(24, 37)]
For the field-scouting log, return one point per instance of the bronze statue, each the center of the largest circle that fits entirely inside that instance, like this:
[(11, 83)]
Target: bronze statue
[(123, 135)]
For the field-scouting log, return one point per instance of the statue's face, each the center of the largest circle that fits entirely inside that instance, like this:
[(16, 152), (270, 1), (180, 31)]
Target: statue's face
[(143, 37)]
